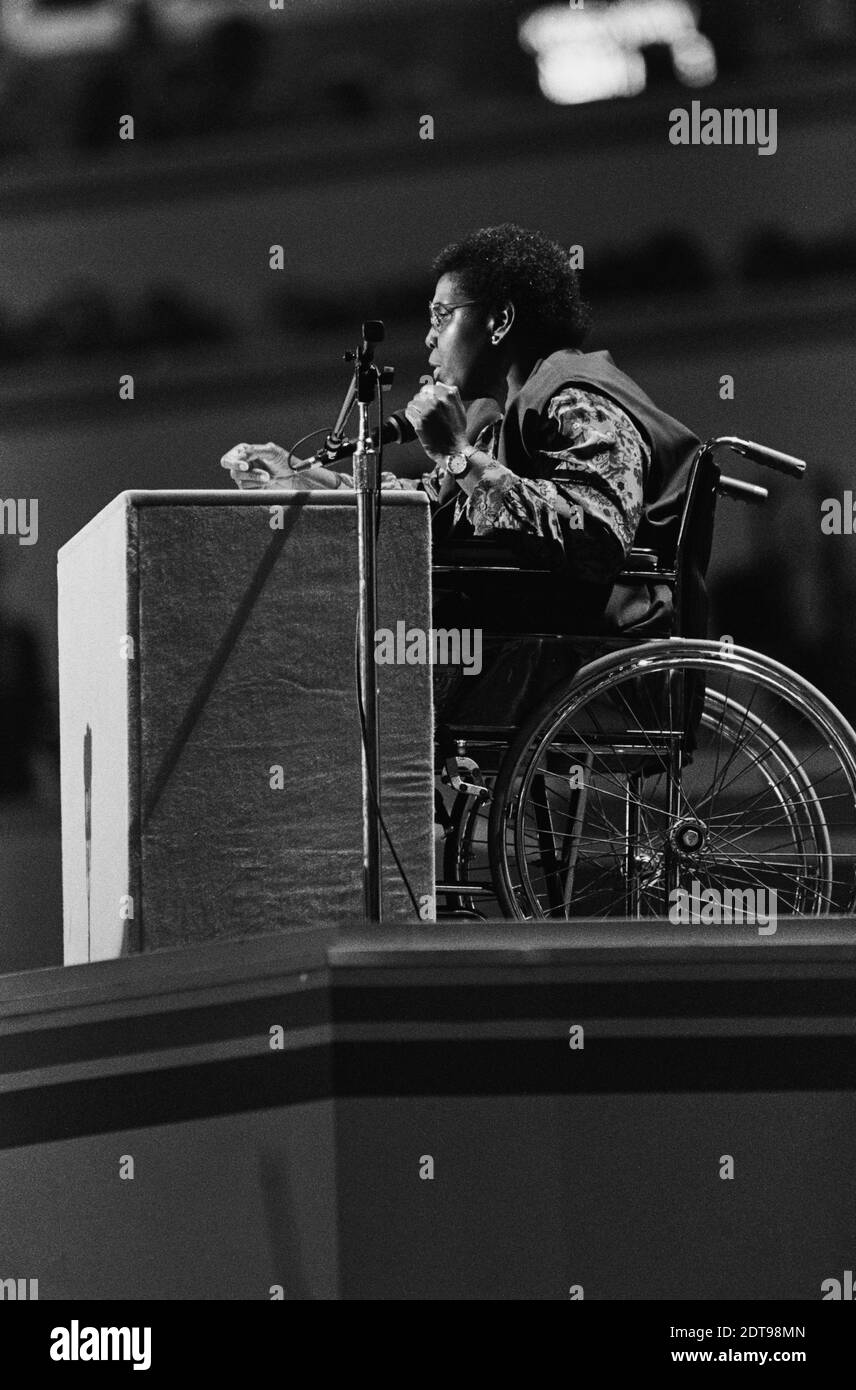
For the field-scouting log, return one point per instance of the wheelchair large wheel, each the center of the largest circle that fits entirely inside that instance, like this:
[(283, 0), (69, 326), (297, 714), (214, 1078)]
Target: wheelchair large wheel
[(673, 768)]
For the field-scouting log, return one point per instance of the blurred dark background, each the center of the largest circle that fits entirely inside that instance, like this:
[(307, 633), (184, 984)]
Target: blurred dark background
[(300, 127)]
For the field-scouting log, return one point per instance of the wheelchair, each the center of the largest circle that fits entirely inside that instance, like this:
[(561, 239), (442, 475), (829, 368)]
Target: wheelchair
[(667, 763)]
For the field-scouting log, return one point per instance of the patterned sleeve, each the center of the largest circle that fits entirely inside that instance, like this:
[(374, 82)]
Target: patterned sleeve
[(593, 460)]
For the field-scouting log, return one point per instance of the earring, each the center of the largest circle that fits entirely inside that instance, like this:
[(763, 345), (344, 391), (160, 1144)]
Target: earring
[(497, 337)]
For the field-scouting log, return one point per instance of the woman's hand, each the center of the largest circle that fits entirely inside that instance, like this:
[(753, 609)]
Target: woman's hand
[(260, 466), (438, 416)]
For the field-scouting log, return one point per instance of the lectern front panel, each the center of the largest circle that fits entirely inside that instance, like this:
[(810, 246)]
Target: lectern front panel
[(224, 743)]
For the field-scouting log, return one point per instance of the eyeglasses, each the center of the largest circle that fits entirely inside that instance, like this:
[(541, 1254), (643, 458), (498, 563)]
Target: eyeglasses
[(440, 314)]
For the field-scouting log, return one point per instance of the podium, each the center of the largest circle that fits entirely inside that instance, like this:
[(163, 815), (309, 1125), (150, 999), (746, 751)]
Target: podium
[(210, 735)]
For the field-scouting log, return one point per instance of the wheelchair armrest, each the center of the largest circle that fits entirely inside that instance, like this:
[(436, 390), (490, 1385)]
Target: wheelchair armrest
[(482, 558), (467, 557), (642, 559), (639, 567)]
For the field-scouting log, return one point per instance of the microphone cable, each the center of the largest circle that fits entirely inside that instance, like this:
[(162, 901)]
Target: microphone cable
[(310, 435)]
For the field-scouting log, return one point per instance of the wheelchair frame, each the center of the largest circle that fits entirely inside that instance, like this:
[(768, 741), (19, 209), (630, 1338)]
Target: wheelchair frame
[(657, 841)]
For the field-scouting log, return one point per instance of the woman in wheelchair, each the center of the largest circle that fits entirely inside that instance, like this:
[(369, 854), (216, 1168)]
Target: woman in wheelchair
[(572, 517)]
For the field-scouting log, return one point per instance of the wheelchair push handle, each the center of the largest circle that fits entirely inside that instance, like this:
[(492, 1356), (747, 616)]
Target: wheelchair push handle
[(761, 453), (739, 491)]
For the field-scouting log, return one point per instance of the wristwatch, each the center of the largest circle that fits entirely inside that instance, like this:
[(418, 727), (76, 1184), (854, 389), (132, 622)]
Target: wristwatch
[(458, 463)]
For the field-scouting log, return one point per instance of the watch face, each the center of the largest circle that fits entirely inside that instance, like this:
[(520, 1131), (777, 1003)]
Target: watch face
[(458, 464)]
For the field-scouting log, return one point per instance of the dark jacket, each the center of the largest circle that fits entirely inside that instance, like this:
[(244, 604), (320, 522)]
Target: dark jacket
[(672, 445), (518, 672)]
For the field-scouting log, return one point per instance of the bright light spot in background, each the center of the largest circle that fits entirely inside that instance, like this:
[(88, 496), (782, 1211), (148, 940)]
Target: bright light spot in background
[(38, 29), (593, 53), (29, 29), (590, 72), (694, 60)]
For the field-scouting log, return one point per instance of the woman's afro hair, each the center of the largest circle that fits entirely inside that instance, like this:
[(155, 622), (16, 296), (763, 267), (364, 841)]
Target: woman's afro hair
[(511, 264)]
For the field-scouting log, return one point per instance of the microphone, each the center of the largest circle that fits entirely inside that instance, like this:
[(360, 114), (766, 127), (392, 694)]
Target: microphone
[(396, 430)]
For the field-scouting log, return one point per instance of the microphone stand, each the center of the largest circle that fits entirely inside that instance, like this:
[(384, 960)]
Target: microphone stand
[(368, 381)]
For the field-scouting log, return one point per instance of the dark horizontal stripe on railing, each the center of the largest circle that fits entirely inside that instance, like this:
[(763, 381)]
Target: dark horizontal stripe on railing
[(399, 1068), (577, 1001), (172, 1095), (580, 1000), (157, 1032), (534, 1066)]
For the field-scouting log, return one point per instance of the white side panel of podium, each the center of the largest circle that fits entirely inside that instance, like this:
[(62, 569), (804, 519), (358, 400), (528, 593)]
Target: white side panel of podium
[(210, 739), (96, 682)]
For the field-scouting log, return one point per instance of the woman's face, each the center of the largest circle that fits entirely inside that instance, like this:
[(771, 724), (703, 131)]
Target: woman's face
[(461, 352)]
